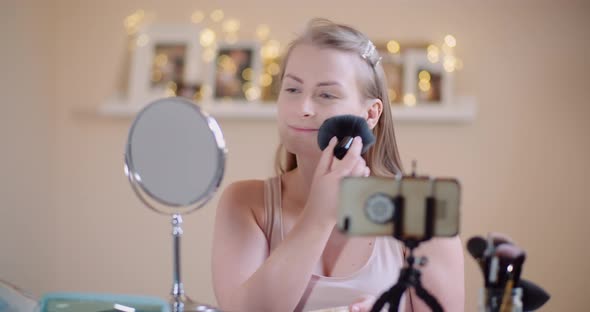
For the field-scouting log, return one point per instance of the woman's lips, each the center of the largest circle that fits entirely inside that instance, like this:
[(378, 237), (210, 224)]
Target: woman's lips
[(303, 129)]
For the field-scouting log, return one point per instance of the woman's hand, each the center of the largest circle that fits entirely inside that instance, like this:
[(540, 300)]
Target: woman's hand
[(325, 187), (362, 304)]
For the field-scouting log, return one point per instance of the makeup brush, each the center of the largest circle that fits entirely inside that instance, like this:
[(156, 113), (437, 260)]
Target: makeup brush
[(345, 128)]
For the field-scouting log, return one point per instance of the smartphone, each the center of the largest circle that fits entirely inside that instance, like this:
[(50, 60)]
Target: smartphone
[(407, 207)]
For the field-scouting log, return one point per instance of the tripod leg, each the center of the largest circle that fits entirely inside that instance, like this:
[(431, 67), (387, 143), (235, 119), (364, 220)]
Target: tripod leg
[(378, 305), (396, 295), (392, 296), (428, 299)]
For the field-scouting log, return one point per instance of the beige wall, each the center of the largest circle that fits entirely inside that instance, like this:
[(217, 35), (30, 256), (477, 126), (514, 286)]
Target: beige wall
[(27, 138), (522, 162)]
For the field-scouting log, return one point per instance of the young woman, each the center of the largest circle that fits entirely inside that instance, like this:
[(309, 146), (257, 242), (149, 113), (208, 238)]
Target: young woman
[(275, 245)]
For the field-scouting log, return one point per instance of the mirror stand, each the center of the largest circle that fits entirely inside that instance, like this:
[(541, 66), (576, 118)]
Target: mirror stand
[(179, 301), (177, 287)]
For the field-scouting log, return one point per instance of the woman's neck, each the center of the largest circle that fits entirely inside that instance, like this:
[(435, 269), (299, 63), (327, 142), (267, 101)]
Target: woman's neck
[(301, 178)]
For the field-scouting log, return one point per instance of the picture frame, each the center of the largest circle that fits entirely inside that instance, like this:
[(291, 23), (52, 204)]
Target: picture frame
[(426, 83), (236, 72), (165, 59)]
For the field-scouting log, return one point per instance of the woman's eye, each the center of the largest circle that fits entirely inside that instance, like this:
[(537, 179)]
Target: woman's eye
[(291, 90), (327, 96)]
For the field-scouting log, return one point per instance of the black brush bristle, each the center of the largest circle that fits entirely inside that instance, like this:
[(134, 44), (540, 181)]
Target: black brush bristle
[(533, 296), (477, 246), (345, 126)]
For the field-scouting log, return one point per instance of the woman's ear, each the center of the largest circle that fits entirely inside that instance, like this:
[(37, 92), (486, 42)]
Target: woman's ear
[(374, 112)]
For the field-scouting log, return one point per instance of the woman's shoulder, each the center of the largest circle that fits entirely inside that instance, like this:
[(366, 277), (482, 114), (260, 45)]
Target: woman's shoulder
[(243, 187), (244, 197)]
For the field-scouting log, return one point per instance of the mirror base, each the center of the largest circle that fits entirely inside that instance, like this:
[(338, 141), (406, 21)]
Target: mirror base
[(184, 303)]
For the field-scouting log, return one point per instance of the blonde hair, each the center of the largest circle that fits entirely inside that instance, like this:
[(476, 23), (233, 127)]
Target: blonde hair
[(382, 158)]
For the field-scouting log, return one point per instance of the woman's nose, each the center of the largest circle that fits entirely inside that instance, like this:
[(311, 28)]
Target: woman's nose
[(306, 108)]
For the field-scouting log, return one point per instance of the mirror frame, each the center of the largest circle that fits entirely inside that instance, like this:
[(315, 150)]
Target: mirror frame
[(157, 204)]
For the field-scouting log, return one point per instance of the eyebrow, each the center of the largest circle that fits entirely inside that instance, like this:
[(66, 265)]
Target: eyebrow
[(329, 83), (294, 78), (321, 84)]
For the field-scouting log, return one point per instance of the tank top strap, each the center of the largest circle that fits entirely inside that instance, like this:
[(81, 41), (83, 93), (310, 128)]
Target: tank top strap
[(273, 224)]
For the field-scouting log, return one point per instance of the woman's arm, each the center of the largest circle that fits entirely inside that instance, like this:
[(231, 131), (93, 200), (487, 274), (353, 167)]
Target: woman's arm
[(243, 278), (442, 276)]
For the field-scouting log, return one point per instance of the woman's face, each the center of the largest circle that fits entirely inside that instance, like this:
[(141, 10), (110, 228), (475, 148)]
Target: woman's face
[(318, 84)]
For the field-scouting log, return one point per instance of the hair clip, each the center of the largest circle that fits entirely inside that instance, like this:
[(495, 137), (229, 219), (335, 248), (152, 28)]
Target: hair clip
[(378, 61), (369, 51)]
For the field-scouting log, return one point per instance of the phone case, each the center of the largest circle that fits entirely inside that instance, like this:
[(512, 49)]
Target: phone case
[(353, 216)]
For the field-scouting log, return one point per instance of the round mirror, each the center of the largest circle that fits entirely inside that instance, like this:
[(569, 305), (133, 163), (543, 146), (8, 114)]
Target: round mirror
[(175, 156), (175, 159)]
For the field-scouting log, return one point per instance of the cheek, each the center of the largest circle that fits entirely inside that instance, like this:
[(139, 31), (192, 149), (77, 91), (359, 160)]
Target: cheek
[(282, 113), (282, 119), (346, 108), (287, 108), (282, 103)]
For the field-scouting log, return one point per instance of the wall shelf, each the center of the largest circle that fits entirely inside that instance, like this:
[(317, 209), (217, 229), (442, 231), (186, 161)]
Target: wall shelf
[(461, 110)]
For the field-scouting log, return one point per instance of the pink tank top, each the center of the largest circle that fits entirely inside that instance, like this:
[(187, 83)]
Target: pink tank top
[(378, 275)]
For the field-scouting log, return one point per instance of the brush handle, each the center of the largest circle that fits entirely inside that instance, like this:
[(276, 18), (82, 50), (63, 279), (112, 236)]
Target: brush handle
[(342, 147)]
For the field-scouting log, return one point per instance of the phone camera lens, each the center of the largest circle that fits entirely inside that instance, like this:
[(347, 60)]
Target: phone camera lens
[(380, 208)]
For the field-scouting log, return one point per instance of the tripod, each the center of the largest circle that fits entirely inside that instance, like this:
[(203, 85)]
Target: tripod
[(409, 277)]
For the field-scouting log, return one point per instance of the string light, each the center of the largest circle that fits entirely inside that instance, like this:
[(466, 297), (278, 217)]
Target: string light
[(216, 15), (197, 17), (265, 80), (424, 85), (132, 22), (424, 75), (142, 40), (207, 37), (271, 49), (392, 95), (410, 99), (432, 53), (252, 93), (227, 64), (161, 60), (273, 69), (171, 89), (393, 46), (433, 58), (450, 41), (262, 32), (247, 74), (230, 25), (449, 63)]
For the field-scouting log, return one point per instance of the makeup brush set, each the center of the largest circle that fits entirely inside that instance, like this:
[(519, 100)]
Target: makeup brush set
[(501, 262)]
